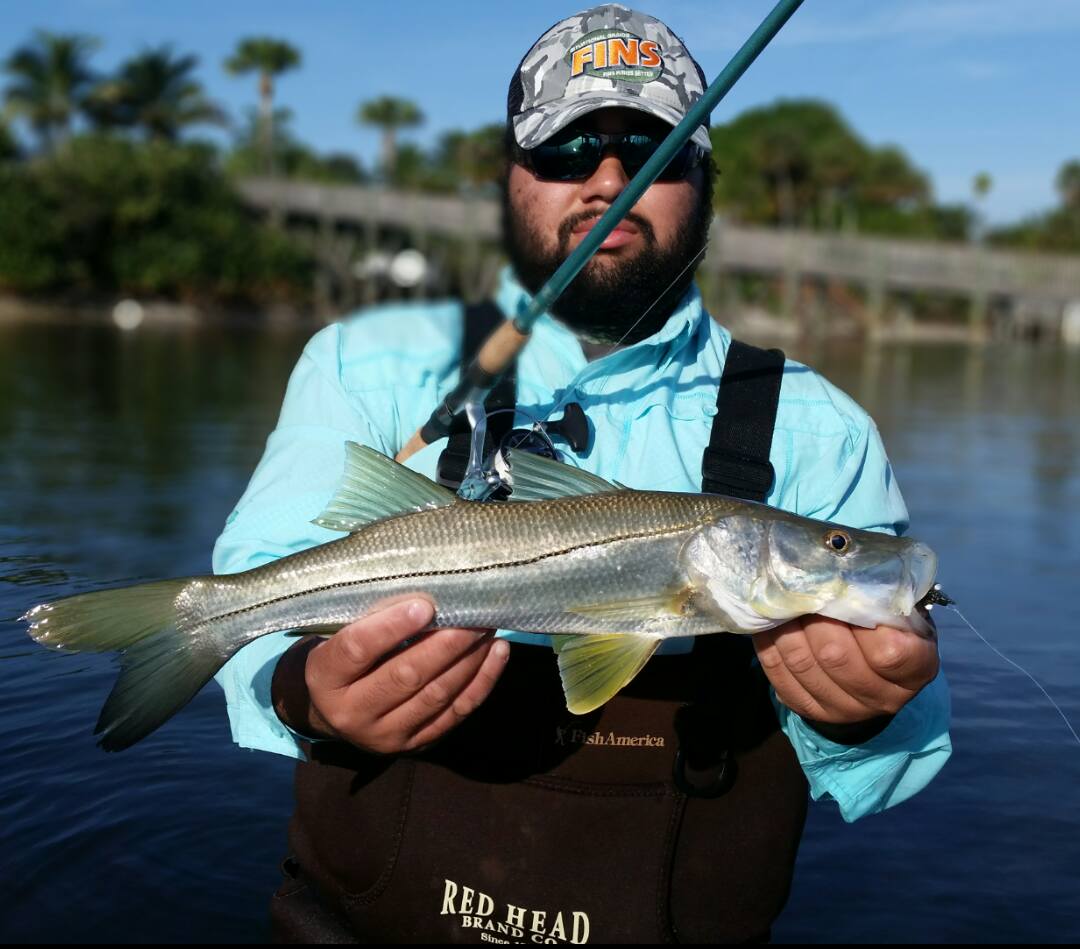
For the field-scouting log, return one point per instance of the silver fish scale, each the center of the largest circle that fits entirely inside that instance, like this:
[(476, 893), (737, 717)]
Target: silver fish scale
[(537, 566)]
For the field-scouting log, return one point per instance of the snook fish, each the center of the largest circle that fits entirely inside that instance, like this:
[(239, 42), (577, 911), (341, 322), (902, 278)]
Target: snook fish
[(611, 572)]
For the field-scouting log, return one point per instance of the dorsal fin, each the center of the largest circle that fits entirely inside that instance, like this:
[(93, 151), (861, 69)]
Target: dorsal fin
[(374, 487), (536, 478)]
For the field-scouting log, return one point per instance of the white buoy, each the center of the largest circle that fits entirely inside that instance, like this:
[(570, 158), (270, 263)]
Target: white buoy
[(1070, 323), (408, 268), (128, 314)]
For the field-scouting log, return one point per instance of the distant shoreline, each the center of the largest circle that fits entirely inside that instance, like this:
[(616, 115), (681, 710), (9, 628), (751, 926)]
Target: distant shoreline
[(751, 323), (157, 314)]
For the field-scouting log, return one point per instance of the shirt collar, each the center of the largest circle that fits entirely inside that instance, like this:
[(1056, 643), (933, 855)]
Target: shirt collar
[(669, 339)]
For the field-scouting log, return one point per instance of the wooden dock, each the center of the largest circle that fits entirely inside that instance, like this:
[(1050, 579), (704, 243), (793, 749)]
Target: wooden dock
[(1023, 289)]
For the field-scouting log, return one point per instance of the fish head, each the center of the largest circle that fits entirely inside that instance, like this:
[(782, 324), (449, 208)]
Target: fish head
[(764, 566), (861, 577)]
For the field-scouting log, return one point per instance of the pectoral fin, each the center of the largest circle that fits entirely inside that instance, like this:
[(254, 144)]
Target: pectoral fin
[(669, 604), (594, 667)]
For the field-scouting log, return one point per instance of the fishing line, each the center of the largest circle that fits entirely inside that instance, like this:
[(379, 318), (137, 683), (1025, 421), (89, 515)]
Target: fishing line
[(692, 262), (1049, 698), (535, 429)]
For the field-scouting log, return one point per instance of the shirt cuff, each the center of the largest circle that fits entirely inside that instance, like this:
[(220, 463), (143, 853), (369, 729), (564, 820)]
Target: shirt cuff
[(879, 773), (246, 679)]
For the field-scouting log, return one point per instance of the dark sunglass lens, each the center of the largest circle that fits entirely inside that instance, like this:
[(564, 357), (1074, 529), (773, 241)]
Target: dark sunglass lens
[(566, 157), (573, 156), (638, 149), (680, 164), (635, 150)]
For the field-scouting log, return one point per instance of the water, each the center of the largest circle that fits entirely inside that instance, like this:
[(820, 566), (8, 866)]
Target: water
[(122, 455)]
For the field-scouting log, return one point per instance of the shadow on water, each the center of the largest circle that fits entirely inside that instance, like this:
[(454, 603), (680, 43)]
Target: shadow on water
[(123, 455)]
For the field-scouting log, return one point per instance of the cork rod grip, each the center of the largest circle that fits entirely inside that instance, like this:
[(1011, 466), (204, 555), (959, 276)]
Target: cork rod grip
[(501, 348), (499, 351)]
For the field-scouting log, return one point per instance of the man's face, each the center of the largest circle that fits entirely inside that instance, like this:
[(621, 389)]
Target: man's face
[(645, 265)]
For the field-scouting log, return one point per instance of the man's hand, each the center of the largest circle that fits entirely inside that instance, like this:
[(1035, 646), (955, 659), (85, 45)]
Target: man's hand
[(359, 686), (827, 671)]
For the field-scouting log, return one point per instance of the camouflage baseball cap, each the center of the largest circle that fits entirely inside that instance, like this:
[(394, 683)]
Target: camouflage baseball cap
[(606, 57)]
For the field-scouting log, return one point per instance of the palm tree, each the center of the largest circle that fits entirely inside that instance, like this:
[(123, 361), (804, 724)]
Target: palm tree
[(154, 92), (389, 114), (248, 155), (51, 78), (1068, 184), (9, 148), (980, 187), (269, 57)]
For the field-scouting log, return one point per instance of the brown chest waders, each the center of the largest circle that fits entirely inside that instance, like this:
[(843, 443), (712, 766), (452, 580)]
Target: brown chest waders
[(671, 814)]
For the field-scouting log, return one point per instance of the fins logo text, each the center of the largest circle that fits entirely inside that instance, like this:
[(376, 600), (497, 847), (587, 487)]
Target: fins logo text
[(616, 54)]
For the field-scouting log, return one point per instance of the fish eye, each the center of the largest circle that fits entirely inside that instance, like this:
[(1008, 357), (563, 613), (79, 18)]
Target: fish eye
[(838, 541)]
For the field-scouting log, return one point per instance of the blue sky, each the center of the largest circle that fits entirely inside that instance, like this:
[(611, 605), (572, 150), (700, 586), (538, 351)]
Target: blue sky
[(962, 85)]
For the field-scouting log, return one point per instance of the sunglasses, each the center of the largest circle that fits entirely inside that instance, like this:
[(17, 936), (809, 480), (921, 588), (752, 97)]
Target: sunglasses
[(573, 155)]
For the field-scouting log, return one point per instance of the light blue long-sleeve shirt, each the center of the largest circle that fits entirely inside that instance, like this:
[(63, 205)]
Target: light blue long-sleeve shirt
[(375, 378)]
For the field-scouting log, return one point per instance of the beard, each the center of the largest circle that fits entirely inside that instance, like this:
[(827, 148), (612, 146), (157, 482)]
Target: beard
[(613, 300)]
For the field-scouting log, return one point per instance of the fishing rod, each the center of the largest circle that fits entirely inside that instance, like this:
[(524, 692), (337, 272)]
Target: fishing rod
[(502, 347)]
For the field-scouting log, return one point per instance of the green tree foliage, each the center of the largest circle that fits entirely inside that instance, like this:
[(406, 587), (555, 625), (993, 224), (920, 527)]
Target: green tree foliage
[(476, 158), (268, 57), (798, 164), (981, 184), (1067, 182), (413, 170), (50, 78), (951, 222), (460, 160), (291, 157), (154, 93), (785, 163), (9, 148), (108, 215), (389, 114), (1057, 230)]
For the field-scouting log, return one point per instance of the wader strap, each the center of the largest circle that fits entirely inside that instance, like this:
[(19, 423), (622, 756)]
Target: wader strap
[(736, 463), (480, 320)]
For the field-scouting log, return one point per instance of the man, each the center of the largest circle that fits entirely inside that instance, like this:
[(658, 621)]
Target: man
[(449, 795)]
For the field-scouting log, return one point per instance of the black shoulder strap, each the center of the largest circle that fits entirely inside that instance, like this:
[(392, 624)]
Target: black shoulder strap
[(736, 463), (480, 320)]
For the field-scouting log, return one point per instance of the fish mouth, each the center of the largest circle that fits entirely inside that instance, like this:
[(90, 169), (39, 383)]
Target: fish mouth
[(921, 563)]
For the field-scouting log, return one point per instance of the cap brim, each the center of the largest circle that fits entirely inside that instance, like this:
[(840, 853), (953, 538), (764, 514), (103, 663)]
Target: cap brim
[(533, 127)]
